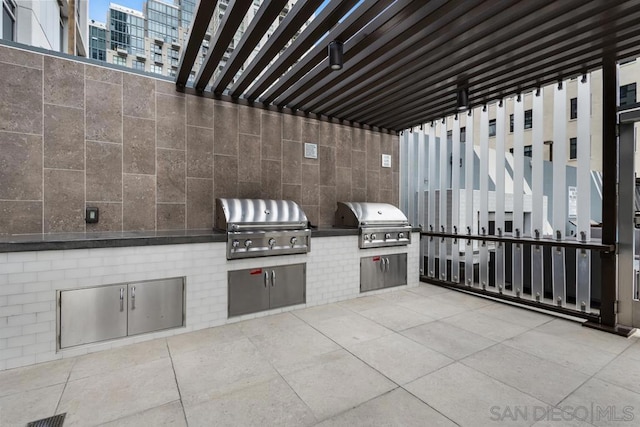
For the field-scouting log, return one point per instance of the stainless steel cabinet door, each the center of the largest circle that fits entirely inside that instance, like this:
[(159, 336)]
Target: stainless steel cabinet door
[(90, 315), (396, 270), (248, 291), (155, 305), (288, 285), (371, 273)]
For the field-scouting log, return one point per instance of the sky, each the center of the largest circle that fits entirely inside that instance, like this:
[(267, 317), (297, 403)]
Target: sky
[(98, 8)]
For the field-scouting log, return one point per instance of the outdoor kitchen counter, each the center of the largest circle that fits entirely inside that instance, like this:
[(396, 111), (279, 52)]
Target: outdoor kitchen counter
[(46, 242), (35, 270)]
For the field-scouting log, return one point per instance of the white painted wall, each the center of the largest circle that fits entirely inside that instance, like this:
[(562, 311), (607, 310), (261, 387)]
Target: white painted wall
[(29, 281)]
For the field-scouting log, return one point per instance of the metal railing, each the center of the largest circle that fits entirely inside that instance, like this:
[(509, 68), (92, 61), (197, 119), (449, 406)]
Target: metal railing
[(538, 272)]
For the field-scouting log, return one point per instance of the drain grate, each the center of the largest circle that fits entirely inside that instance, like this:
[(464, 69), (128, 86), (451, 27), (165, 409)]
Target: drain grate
[(55, 421)]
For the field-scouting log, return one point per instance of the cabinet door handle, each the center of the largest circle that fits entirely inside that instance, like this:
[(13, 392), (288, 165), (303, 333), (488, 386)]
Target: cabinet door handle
[(273, 277), (266, 278), (133, 298), (386, 260), (121, 299)]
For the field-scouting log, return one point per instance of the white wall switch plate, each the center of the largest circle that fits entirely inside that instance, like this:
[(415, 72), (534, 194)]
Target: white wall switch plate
[(386, 160), (310, 150)]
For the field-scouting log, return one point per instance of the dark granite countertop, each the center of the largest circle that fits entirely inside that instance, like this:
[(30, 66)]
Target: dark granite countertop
[(44, 242)]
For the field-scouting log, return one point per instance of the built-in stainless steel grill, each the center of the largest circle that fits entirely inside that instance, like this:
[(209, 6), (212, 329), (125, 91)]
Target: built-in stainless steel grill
[(380, 224), (260, 227)]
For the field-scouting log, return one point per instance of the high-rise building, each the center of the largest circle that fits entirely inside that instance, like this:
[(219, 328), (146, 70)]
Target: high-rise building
[(98, 40), (50, 24)]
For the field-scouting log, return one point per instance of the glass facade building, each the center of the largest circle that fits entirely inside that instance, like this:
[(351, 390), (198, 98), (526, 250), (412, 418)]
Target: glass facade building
[(97, 41), (187, 9), (162, 21), (126, 31)]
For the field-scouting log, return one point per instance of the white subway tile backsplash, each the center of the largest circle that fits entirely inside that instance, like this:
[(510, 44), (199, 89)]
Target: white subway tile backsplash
[(46, 316), (21, 256), (64, 264), (37, 286), (48, 337), (21, 341), (7, 332), (10, 310), (50, 275), (21, 319), (10, 353), (38, 307), (332, 275), (36, 328), (18, 278), (37, 266), (11, 267)]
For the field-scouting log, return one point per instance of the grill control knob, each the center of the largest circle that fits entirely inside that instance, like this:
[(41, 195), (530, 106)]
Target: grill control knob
[(272, 242), (400, 235), (387, 236), (293, 240), (248, 243), (366, 237), (235, 244), (373, 237)]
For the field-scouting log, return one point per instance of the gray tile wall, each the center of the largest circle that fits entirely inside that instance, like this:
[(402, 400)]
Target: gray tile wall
[(74, 135)]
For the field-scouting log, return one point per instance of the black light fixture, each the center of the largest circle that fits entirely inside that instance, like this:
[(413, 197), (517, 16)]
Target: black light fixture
[(463, 98), (335, 55)]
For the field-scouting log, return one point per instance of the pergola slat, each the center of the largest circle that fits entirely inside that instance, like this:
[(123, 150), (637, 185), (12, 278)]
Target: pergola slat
[(199, 27), (289, 26), (259, 25), (555, 48), (463, 30), (404, 59), (384, 27), (628, 48), (343, 31), (231, 20), (447, 62)]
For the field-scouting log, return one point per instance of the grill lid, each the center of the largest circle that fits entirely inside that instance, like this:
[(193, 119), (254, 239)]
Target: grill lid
[(363, 214), (259, 214)]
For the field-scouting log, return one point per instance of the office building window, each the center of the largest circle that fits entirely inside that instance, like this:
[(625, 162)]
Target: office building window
[(573, 148), (463, 134), (174, 56), (492, 127), (9, 20), (126, 31), (628, 94), (119, 60), (162, 21), (574, 108), (98, 43), (528, 151), (156, 69), (138, 65), (528, 120)]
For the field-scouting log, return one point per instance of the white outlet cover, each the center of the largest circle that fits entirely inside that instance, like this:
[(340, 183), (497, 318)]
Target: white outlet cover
[(310, 150), (386, 160)]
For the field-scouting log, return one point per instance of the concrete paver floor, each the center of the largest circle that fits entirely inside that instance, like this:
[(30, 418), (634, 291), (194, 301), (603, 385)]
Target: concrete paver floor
[(426, 356)]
